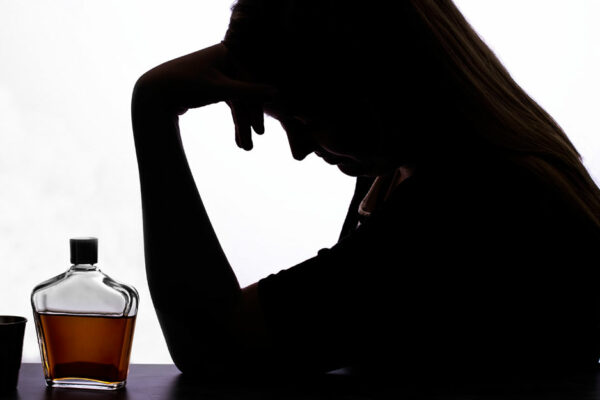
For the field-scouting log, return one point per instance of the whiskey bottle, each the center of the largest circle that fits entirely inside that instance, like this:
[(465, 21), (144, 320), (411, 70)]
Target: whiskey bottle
[(84, 322)]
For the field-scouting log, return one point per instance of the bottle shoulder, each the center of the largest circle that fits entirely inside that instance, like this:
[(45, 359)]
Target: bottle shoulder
[(85, 291)]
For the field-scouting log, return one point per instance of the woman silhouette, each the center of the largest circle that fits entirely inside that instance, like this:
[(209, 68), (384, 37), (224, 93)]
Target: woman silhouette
[(470, 240)]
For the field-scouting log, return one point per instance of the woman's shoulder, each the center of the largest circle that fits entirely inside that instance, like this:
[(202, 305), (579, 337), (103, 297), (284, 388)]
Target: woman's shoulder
[(501, 200)]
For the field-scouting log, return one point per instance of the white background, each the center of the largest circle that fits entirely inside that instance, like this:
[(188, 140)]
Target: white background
[(67, 161)]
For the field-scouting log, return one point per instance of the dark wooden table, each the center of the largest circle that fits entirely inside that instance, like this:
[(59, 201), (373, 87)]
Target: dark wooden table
[(163, 382)]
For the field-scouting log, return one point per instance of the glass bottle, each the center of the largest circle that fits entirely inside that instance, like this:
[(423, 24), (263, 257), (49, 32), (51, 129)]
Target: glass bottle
[(84, 322)]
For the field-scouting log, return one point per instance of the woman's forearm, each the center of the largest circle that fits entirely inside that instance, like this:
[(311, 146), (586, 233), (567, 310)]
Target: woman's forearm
[(180, 242), (188, 274)]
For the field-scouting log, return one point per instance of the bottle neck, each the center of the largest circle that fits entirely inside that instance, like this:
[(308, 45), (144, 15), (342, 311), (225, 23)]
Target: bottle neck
[(84, 267)]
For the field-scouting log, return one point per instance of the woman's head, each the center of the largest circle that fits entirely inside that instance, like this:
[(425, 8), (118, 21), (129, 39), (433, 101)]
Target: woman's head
[(432, 90), (338, 136), (361, 72)]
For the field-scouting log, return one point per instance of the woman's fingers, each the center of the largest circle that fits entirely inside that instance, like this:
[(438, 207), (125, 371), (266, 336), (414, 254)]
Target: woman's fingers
[(246, 117), (246, 99), (257, 118), (237, 122), (243, 130)]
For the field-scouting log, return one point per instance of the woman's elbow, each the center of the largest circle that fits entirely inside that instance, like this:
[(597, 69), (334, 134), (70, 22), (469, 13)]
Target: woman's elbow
[(146, 92), (209, 361), (152, 94)]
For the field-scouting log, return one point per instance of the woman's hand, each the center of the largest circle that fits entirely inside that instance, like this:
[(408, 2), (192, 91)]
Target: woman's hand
[(205, 77), (247, 115)]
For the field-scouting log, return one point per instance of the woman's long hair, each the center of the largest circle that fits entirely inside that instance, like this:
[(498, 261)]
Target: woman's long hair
[(516, 124), (309, 44)]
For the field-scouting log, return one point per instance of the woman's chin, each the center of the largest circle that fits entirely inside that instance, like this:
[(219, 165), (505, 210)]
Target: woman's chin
[(358, 169), (352, 169)]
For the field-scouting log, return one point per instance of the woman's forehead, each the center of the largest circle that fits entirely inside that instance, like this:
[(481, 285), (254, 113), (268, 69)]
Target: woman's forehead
[(316, 105), (282, 109), (287, 115)]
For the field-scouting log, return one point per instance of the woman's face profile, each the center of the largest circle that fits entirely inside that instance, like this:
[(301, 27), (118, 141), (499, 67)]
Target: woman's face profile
[(348, 137)]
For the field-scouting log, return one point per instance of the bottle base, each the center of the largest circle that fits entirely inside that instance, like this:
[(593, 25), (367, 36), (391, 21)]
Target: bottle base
[(83, 383)]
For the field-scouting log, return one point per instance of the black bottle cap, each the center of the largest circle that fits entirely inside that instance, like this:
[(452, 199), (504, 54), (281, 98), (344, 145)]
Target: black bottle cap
[(84, 250)]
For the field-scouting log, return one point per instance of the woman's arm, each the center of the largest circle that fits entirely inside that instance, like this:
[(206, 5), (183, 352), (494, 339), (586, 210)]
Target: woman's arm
[(205, 317)]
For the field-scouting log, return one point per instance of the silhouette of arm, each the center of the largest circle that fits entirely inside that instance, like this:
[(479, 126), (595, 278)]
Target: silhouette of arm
[(208, 321)]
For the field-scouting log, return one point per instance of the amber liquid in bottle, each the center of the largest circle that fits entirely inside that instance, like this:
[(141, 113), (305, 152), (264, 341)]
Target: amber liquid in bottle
[(86, 347)]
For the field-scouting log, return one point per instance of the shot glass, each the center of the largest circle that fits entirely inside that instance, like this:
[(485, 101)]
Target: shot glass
[(12, 330)]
